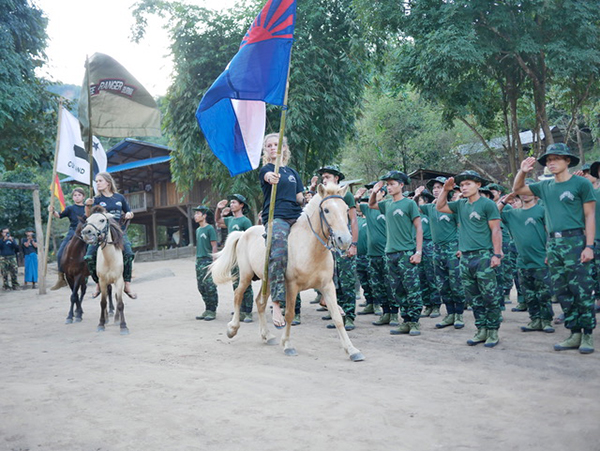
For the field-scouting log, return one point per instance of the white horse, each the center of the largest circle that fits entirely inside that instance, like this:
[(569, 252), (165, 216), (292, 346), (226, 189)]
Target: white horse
[(310, 263), (102, 230)]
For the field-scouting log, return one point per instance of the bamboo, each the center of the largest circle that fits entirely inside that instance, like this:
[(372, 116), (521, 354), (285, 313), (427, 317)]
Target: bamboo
[(51, 210), (89, 139), (37, 214), (265, 280)]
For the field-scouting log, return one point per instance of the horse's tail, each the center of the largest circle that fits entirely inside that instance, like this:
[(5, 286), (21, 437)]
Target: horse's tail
[(225, 260)]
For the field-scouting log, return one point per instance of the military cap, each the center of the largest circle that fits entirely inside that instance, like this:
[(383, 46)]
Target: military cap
[(487, 191), (395, 175), (432, 182), (470, 175), (204, 209), (559, 149), (495, 186), (594, 169), (425, 194), (332, 169)]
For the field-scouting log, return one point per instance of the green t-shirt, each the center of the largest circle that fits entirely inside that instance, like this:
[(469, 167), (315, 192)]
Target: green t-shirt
[(506, 234), (349, 199), (564, 202), (443, 225), (527, 227), (204, 236), (237, 224), (597, 193), (399, 216), (474, 233), (376, 231), (426, 227), (361, 249)]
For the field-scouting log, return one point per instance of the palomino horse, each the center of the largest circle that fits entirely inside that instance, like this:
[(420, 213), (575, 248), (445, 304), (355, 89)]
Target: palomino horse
[(102, 230), (310, 263), (76, 272)]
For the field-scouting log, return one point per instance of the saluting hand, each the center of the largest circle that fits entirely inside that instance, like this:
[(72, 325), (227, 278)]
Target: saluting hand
[(528, 164), (222, 204), (449, 185)]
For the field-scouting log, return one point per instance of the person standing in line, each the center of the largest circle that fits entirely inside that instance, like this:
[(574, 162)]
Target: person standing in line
[(527, 227), (8, 260), (29, 249), (404, 249), (206, 247), (480, 245), (570, 204), (594, 178), (238, 221)]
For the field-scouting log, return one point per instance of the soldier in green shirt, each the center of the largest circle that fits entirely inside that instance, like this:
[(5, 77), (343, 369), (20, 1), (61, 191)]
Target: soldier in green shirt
[(527, 227), (594, 178), (238, 221), (206, 246), (570, 220), (345, 265), (480, 245), (403, 249)]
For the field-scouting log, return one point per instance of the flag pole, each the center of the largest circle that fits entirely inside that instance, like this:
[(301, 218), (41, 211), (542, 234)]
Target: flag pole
[(54, 173), (265, 280), (89, 118)]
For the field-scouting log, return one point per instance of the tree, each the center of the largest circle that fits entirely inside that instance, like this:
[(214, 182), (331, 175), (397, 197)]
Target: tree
[(27, 109), (325, 86)]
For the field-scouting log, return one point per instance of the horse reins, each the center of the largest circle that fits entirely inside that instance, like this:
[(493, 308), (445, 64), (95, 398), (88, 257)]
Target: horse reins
[(332, 247), (101, 233)]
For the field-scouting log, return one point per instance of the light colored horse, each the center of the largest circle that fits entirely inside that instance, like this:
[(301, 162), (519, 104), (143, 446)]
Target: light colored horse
[(310, 264), (102, 230)]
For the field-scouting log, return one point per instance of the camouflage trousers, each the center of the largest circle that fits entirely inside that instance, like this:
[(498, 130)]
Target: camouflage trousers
[(481, 288), (572, 282), (345, 283), (378, 283), (535, 284), (447, 273), (429, 289), (297, 305), (128, 256), (206, 286), (362, 271), (278, 259), (596, 269), (9, 269), (405, 285), (248, 299)]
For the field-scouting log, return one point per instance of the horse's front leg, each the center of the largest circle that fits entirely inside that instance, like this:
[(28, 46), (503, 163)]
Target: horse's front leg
[(119, 286), (261, 306), (111, 306), (290, 307), (69, 319), (82, 282), (330, 299), (103, 312)]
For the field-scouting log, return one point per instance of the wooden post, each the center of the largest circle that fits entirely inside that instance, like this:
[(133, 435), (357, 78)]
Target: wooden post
[(190, 226), (154, 231), (37, 214)]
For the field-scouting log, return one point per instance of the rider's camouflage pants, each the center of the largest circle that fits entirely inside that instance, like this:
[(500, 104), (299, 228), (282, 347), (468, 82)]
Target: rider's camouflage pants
[(9, 269), (345, 284), (206, 286), (429, 288), (278, 259), (535, 283), (405, 285), (572, 281), (447, 272), (481, 288), (362, 271)]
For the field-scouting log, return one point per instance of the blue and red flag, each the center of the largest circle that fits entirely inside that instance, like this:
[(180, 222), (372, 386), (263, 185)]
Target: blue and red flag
[(232, 113)]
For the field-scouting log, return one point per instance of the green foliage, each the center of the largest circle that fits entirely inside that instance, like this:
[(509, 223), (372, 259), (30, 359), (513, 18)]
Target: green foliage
[(27, 109)]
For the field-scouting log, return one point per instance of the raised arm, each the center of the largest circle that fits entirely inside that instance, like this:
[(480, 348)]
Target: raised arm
[(441, 203), (519, 186), (373, 197)]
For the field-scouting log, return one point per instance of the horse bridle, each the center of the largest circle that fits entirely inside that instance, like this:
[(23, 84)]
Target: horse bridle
[(323, 220), (102, 235)]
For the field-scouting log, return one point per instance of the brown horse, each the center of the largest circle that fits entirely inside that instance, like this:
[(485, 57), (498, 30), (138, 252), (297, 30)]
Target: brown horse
[(76, 272), (103, 231)]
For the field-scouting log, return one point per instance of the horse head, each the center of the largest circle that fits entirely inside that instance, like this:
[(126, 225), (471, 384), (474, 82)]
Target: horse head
[(98, 226), (333, 215)]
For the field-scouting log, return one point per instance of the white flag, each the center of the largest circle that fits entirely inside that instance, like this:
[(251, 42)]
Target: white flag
[(72, 158)]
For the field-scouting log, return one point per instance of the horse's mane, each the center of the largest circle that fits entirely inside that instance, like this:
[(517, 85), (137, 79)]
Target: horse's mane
[(115, 228), (309, 209)]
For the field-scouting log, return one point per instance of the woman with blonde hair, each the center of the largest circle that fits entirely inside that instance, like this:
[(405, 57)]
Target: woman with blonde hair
[(288, 207), (115, 204)]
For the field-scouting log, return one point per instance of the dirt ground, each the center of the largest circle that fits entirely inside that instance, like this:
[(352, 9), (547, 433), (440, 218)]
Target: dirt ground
[(178, 383)]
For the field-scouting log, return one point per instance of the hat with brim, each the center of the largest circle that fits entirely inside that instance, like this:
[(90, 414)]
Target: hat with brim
[(332, 170), (496, 187), (594, 169), (396, 175), (585, 167), (470, 175), (432, 182), (427, 196), (560, 149), (241, 199), (547, 175), (202, 209), (529, 181), (364, 199), (408, 194), (486, 190), (370, 185)]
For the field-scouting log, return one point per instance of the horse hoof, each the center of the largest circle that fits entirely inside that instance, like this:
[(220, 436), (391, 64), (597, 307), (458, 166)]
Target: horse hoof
[(271, 341), (78, 320), (124, 331), (100, 329), (69, 321), (357, 357), (291, 352)]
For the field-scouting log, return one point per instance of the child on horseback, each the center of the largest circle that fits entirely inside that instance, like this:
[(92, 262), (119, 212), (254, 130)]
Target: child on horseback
[(115, 204), (73, 212)]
